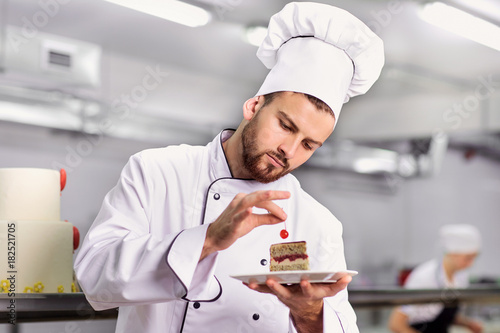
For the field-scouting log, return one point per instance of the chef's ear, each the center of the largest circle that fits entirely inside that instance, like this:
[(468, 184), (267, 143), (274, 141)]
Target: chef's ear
[(251, 106)]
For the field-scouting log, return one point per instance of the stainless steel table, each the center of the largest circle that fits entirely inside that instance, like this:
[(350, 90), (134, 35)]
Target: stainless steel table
[(74, 306), (388, 297), (48, 307)]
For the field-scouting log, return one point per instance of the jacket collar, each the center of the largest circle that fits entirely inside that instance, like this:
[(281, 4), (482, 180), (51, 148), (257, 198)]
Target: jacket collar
[(219, 166)]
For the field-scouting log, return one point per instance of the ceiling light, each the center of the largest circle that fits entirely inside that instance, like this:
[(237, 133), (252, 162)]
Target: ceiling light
[(39, 115), (462, 24), (254, 35), (374, 165), (172, 10)]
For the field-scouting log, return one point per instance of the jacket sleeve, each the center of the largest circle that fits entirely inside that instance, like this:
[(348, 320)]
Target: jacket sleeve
[(327, 254), (121, 262), (338, 314)]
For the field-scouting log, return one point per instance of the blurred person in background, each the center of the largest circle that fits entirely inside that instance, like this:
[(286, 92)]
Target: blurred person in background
[(461, 244)]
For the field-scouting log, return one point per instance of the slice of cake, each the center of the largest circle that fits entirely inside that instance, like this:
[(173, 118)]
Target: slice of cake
[(291, 256)]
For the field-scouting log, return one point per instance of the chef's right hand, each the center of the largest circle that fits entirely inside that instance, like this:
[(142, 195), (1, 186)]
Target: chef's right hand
[(238, 220)]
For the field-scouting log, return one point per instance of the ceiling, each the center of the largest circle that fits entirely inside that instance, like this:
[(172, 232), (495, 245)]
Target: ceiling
[(212, 71), (217, 48)]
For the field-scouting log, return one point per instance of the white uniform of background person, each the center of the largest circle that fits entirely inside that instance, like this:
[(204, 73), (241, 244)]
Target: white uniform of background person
[(455, 239), (431, 275), (142, 252)]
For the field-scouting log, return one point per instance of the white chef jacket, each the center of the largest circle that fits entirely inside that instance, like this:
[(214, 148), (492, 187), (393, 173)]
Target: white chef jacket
[(431, 275), (141, 253)]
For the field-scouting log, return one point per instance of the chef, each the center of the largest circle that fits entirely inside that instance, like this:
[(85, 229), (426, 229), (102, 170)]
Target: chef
[(183, 220), (461, 244)]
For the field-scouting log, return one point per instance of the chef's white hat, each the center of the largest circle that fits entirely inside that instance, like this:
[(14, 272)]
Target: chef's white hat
[(460, 238), (322, 51)]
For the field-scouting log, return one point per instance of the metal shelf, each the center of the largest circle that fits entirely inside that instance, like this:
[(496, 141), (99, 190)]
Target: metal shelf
[(74, 306), (383, 297), (51, 307)]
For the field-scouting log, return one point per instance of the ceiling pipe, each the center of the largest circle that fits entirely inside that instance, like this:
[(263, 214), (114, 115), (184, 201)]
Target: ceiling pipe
[(4, 13)]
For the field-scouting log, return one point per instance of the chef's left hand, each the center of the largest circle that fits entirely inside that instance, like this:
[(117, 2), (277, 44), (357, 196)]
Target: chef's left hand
[(305, 300), (475, 326)]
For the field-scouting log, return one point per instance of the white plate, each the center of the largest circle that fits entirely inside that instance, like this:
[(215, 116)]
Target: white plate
[(289, 277)]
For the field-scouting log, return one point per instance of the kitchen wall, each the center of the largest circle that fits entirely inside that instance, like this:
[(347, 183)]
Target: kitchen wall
[(389, 222)]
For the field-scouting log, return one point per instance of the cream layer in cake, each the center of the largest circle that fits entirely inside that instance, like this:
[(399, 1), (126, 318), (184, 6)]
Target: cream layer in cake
[(291, 256)]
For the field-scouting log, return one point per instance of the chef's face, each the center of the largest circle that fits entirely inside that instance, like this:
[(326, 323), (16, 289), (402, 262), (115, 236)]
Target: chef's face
[(463, 260), (282, 135)]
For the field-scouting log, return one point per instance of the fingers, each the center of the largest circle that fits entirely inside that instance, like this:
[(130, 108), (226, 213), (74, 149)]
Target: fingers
[(262, 288), (329, 289), (272, 287), (307, 288), (237, 219), (343, 282), (303, 291), (260, 219), (281, 291), (260, 198), (273, 209)]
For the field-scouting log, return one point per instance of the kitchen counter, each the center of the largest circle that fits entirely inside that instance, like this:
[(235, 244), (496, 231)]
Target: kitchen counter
[(74, 306)]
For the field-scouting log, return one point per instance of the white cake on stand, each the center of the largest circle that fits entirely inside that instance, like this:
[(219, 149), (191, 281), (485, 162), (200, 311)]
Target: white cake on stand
[(36, 253)]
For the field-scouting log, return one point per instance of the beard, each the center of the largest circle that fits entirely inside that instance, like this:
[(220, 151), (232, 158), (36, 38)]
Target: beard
[(255, 162)]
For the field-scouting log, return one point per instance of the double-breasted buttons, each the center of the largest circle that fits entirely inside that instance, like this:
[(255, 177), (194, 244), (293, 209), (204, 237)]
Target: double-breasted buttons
[(196, 305), (255, 316), (216, 196), (263, 262)]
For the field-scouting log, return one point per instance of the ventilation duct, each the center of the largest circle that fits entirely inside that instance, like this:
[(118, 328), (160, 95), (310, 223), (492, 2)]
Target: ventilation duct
[(45, 61), (424, 158)]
